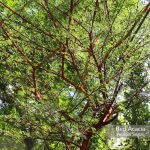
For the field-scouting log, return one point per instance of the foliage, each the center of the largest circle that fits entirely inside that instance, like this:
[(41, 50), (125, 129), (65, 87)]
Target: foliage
[(138, 113), (65, 65)]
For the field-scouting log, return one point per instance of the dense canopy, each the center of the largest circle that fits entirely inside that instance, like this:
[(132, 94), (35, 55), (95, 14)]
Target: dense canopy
[(67, 68)]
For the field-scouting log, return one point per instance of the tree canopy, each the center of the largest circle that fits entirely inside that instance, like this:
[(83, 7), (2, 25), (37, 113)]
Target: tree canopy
[(66, 67)]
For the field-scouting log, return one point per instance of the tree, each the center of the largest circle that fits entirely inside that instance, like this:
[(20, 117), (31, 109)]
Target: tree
[(138, 114), (138, 109), (66, 64)]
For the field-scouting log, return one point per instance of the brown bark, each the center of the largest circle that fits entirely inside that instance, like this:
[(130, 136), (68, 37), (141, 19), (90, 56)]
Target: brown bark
[(68, 146), (86, 141)]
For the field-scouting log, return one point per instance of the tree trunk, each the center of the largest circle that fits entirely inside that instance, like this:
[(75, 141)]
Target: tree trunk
[(86, 141), (68, 146), (29, 143)]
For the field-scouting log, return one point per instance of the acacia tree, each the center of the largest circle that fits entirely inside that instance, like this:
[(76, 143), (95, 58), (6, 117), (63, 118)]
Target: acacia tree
[(65, 64)]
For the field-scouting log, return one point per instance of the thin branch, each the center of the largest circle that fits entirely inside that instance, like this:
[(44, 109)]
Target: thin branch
[(123, 38), (27, 21), (36, 91), (15, 45)]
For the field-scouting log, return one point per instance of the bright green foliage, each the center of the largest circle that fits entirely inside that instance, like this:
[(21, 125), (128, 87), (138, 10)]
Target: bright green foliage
[(64, 65)]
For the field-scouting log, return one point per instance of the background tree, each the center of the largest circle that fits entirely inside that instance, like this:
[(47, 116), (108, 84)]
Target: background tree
[(138, 113)]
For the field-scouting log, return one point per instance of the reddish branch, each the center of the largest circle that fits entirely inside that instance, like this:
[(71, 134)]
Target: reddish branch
[(107, 10), (69, 81), (86, 140), (102, 83), (85, 73), (68, 145), (91, 49), (66, 29), (63, 61), (108, 15), (118, 84), (36, 92), (108, 113), (105, 119), (145, 11), (68, 118), (15, 45), (50, 14), (78, 22), (27, 21), (91, 52), (67, 38)]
